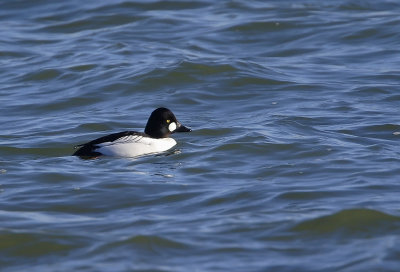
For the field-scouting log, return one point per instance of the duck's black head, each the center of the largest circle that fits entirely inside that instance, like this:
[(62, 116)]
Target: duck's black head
[(162, 123)]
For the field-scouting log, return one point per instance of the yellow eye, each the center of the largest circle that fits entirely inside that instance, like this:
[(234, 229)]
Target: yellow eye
[(168, 121)]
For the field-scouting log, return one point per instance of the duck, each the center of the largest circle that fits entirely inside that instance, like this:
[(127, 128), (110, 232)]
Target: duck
[(155, 139)]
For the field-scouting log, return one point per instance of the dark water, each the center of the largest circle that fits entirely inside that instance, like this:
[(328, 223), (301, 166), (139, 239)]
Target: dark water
[(292, 165)]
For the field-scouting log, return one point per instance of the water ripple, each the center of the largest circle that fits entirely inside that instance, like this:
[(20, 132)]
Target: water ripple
[(351, 222), (293, 154)]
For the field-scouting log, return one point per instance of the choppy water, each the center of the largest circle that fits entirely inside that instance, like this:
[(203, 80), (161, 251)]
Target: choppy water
[(292, 165)]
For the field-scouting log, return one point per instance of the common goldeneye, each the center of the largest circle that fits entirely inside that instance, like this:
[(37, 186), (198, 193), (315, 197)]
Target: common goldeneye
[(161, 124)]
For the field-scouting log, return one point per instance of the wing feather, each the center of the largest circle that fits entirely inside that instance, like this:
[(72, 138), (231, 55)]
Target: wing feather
[(122, 140), (89, 148)]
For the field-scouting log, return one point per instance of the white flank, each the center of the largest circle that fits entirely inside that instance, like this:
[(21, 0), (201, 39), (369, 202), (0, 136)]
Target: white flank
[(133, 146)]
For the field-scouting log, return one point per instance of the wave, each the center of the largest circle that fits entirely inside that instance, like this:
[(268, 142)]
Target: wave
[(352, 221)]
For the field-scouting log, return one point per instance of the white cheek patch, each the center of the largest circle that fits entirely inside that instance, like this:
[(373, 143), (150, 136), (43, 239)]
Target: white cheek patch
[(172, 126)]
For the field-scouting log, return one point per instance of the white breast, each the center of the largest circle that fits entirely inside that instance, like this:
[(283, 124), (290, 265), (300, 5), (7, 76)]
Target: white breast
[(134, 145)]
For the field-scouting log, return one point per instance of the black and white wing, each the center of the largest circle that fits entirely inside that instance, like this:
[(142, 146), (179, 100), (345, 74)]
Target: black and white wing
[(89, 149)]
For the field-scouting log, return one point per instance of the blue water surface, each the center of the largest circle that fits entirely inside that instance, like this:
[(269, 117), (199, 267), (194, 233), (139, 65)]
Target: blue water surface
[(292, 164)]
